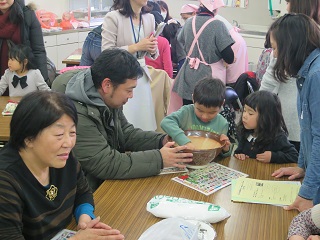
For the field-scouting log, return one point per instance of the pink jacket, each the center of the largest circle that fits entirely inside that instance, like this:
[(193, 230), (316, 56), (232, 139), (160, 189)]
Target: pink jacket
[(164, 60)]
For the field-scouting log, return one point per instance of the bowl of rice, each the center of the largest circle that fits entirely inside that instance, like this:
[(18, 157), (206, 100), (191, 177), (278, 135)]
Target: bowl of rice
[(207, 147)]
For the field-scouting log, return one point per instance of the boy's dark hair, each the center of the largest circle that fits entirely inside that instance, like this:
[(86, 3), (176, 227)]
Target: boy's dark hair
[(36, 111), (270, 121), (21, 52), (296, 36), (116, 64), (209, 92)]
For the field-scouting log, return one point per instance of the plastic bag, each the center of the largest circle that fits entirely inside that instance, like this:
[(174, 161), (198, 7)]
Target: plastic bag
[(47, 19), (68, 21), (166, 207), (173, 229)]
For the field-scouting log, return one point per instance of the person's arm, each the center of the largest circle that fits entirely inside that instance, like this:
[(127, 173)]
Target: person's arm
[(148, 19), (311, 181), (109, 32), (181, 54), (166, 57), (84, 203), (227, 54), (225, 132), (181, 38), (303, 225), (223, 41), (284, 151), (10, 208), (39, 81), (98, 151), (37, 44), (269, 83), (239, 149), (175, 124), (4, 82)]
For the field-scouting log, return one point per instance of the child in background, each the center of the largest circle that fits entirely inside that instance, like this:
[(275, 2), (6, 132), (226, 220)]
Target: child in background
[(208, 97), (263, 132), (21, 77), (264, 59), (304, 225)]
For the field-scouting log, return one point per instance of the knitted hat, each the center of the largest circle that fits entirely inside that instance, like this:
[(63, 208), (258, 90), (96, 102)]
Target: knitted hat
[(212, 5), (189, 8)]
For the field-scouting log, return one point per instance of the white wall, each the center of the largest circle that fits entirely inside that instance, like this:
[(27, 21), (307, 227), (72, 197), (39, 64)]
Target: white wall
[(55, 6), (255, 14)]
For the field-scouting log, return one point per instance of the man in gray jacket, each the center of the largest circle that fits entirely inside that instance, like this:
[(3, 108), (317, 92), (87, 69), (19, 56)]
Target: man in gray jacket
[(108, 147)]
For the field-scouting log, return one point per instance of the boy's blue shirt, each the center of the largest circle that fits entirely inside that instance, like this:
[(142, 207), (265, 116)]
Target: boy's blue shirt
[(308, 102), (185, 119)]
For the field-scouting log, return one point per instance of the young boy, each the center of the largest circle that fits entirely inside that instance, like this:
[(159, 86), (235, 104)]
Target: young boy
[(203, 114)]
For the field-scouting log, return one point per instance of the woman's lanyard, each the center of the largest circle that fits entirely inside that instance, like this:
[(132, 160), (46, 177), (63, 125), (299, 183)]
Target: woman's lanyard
[(136, 39)]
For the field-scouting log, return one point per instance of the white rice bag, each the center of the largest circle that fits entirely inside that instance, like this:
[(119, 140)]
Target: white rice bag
[(167, 207)]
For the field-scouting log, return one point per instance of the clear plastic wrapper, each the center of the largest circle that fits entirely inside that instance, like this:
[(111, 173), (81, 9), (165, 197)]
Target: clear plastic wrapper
[(179, 229)]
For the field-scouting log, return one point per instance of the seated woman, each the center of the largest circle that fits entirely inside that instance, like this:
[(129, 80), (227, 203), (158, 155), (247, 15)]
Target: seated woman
[(41, 183)]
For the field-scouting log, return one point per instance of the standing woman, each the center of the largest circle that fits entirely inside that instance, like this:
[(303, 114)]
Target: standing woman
[(207, 43), (19, 25), (41, 183), (287, 90), (129, 27), (295, 39)]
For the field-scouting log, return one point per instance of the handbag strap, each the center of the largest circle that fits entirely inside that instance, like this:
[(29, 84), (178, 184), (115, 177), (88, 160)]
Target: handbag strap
[(197, 34)]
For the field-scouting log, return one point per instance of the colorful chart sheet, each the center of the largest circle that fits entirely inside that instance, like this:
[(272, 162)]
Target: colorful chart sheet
[(209, 179)]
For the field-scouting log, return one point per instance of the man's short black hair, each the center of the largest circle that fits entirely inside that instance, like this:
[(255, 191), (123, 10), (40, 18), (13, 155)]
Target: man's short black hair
[(116, 64)]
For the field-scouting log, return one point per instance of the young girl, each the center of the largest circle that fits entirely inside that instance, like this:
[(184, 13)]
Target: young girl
[(21, 77), (262, 131)]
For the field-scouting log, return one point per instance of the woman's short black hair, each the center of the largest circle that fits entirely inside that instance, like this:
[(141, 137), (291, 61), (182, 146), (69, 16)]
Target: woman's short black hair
[(116, 64), (209, 92), (37, 111)]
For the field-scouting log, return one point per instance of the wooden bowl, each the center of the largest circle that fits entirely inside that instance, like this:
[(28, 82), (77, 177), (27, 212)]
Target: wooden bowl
[(201, 157)]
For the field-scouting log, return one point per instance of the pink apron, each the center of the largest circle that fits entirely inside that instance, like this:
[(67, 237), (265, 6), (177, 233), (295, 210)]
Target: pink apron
[(240, 65), (218, 69)]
